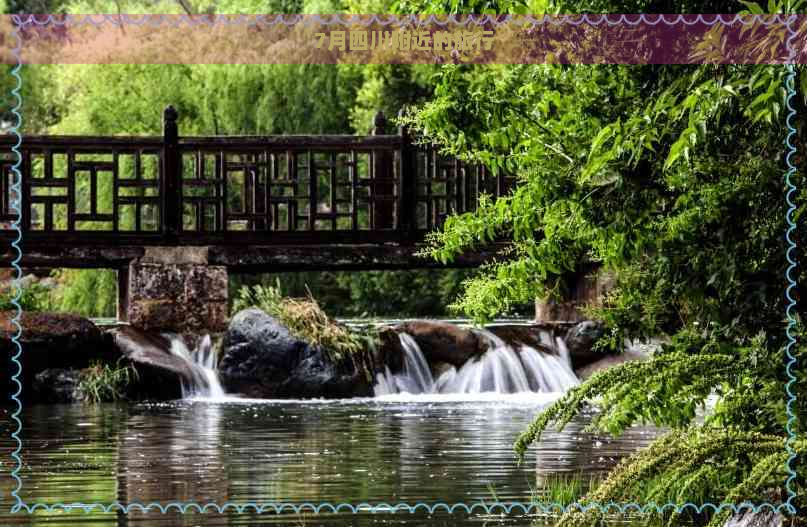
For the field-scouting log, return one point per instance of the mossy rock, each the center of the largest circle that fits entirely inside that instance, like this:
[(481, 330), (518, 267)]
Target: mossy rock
[(49, 341)]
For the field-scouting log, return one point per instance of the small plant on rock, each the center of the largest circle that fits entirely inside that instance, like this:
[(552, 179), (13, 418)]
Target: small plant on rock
[(104, 383), (305, 319)]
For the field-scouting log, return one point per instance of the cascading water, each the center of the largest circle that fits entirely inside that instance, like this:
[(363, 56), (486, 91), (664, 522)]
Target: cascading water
[(416, 376), (202, 365), (500, 369)]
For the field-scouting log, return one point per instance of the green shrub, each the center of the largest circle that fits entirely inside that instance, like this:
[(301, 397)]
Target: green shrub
[(35, 297), (103, 383), (88, 292)]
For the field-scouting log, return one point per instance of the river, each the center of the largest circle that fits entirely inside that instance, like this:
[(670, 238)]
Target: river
[(450, 448)]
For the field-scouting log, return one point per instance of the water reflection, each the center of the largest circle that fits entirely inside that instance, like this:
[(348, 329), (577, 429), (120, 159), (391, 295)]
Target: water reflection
[(438, 449), (172, 452)]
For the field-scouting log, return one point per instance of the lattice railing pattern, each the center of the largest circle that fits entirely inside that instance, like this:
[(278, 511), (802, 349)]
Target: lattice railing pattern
[(288, 190), (209, 189), (7, 214), (84, 187)]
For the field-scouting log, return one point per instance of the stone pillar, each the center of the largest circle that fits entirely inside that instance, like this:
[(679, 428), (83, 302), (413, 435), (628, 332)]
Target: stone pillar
[(123, 294), (174, 289), (552, 311), (587, 288)]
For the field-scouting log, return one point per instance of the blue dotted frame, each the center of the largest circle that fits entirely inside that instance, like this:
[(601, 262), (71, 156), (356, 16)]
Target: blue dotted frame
[(494, 507)]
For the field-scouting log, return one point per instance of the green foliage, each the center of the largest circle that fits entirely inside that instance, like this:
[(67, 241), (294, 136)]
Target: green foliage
[(592, 184), (389, 87), (89, 292), (104, 383), (382, 294), (267, 299), (668, 388), (699, 465), (35, 297), (669, 177)]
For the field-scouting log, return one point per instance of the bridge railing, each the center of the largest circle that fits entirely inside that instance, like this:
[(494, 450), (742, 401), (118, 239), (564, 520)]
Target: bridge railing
[(286, 189)]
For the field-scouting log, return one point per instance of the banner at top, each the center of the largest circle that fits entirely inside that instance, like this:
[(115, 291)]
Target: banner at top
[(409, 39)]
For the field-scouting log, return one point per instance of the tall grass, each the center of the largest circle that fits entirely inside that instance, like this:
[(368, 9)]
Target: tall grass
[(104, 383), (563, 488)]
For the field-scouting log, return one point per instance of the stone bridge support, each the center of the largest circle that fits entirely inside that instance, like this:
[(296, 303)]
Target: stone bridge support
[(174, 289), (586, 287)]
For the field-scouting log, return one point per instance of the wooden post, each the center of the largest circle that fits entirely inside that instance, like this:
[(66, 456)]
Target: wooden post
[(171, 203), (123, 294), (24, 197), (383, 183), (407, 190)]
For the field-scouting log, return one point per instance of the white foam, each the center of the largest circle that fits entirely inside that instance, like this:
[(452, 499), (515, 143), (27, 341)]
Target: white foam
[(499, 370)]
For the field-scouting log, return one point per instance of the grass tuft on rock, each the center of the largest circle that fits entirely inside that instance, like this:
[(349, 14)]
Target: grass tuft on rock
[(305, 319), (102, 383)]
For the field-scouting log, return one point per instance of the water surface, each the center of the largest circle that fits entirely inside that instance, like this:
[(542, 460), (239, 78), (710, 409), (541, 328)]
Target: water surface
[(399, 448)]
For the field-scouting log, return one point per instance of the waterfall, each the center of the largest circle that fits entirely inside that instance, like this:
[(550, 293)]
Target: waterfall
[(416, 376), (500, 369), (202, 363)]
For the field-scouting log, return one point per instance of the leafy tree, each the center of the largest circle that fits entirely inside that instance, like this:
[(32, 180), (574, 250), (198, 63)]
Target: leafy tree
[(223, 100), (671, 178), (389, 88), (389, 294)]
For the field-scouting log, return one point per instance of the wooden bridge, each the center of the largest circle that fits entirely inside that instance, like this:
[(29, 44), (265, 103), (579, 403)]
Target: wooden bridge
[(258, 204), (193, 207)]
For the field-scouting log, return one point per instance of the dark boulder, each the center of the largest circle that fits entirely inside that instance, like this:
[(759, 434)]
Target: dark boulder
[(259, 354), (443, 342), (57, 346), (317, 376), (65, 336), (580, 341), (55, 385), (262, 359), (49, 341), (523, 334)]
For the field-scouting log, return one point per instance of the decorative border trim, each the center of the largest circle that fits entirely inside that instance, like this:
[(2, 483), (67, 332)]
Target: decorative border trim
[(20, 21), (385, 20), (790, 277), (16, 206)]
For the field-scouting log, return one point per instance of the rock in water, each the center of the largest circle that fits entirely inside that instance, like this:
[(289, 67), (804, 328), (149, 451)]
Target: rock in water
[(55, 385), (316, 375), (259, 354), (262, 359), (443, 342), (159, 373), (580, 340), (49, 341)]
